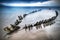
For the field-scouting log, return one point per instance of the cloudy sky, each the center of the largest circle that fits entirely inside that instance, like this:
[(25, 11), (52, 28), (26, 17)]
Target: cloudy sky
[(30, 2), (22, 0)]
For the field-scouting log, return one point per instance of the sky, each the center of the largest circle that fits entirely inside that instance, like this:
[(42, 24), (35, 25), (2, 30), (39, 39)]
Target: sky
[(20, 3), (29, 3), (22, 0)]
